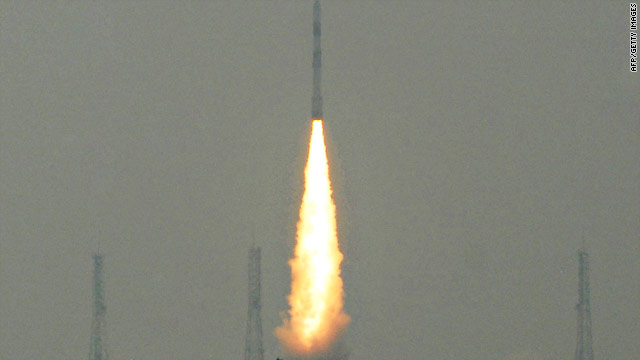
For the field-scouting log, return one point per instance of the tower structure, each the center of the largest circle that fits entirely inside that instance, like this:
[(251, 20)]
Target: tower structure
[(98, 349), (584, 349), (253, 348)]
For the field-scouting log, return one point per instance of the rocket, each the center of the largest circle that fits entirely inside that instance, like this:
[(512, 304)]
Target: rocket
[(316, 100)]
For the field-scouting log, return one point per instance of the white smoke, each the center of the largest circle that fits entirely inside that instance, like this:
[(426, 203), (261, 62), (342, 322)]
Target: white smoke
[(338, 351)]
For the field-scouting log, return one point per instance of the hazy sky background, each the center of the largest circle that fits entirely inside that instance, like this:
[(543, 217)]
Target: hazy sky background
[(473, 145)]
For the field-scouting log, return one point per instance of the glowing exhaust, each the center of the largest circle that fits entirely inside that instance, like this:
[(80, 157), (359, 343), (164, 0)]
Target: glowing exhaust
[(316, 317)]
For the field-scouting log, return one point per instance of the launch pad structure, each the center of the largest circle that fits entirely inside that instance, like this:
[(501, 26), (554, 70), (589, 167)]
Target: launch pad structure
[(584, 346), (98, 350), (253, 345)]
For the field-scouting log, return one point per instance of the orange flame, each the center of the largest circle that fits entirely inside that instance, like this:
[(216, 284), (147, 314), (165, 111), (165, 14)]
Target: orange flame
[(316, 317)]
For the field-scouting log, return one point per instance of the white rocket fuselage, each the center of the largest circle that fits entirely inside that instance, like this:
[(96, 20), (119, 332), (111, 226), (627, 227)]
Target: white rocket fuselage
[(316, 100)]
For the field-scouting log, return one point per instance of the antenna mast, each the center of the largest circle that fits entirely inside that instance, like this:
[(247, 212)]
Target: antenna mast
[(98, 349), (584, 348)]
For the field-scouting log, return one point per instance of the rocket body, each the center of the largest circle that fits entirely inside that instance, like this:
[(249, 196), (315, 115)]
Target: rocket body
[(316, 100)]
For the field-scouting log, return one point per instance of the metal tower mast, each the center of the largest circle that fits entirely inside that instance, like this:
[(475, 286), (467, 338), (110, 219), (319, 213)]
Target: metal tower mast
[(584, 349), (253, 349), (98, 349)]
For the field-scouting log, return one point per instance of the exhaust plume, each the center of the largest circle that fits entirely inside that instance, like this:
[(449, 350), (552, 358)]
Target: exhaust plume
[(316, 318)]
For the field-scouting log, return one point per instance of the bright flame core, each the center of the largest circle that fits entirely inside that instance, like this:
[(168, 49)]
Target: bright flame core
[(315, 315)]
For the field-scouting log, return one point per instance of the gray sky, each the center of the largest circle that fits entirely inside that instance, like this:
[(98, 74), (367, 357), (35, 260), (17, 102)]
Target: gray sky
[(472, 144)]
